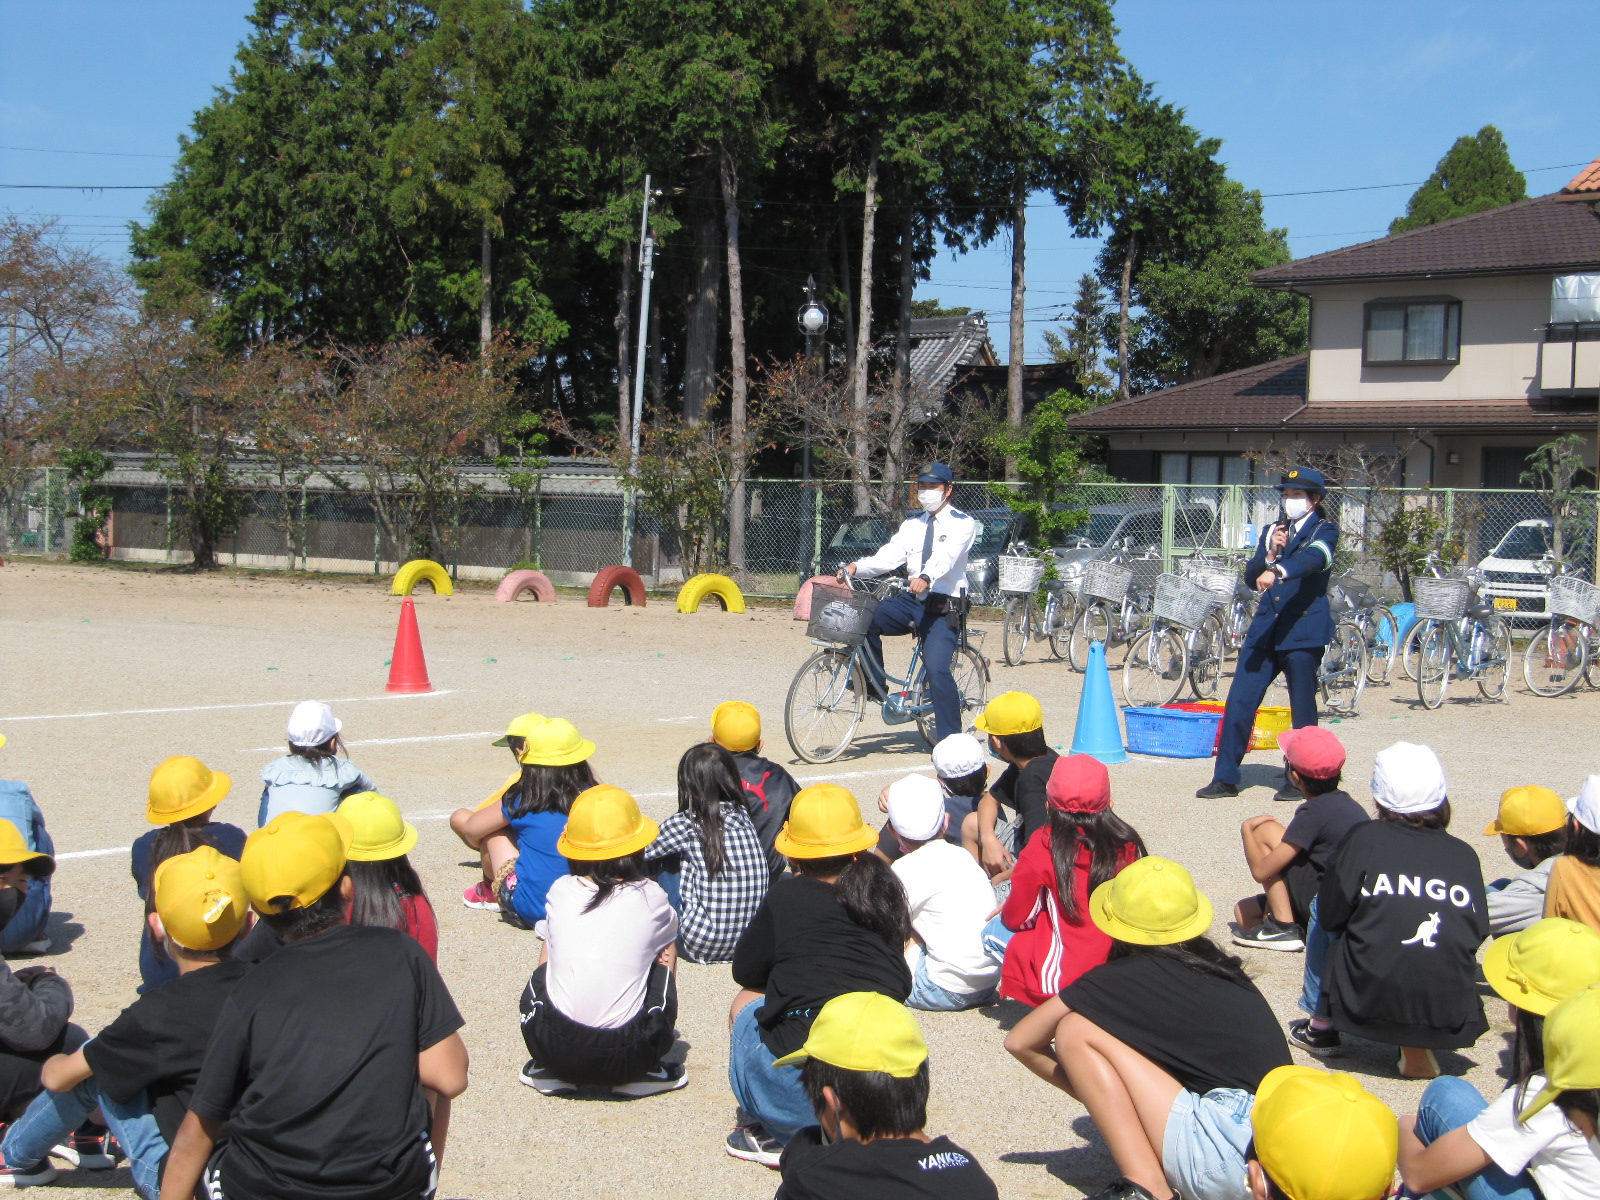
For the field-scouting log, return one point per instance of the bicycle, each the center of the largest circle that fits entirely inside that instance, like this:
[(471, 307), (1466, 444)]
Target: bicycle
[(1410, 654), (1185, 641), (1565, 650), (828, 694), (1021, 575), (1113, 611), (1225, 577), (1468, 640), (1352, 599)]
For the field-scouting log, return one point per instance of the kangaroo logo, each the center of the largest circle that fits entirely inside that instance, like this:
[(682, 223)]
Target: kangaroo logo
[(1425, 932)]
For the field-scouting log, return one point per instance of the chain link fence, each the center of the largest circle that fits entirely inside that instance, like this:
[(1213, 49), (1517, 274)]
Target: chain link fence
[(571, 523)]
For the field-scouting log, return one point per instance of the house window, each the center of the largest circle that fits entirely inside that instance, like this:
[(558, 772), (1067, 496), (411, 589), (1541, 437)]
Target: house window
[(1182, 467), (1413, 331)]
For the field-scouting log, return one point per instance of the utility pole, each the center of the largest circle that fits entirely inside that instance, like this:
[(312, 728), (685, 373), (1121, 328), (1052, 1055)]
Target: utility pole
[(647, 260)]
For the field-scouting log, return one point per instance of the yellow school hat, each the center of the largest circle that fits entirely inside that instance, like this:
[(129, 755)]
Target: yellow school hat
[(1527, 812), (736, 726), (1545, 963), (605, 822), (1151, 902), (1011, 712), (1571, 1048), (2, 741), (377, 830), (518, 728), (1320, 1135), (552, 742), (14, 850), (824, 822), (184, 787), (298, 855), (200, 899), (864, 1031)]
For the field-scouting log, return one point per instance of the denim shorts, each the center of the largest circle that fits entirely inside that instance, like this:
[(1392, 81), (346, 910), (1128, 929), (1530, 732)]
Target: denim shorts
[(930, 997), (1202, 1152)]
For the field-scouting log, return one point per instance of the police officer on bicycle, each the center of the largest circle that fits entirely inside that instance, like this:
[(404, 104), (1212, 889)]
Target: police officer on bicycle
[(933, 548), (1291, 629)]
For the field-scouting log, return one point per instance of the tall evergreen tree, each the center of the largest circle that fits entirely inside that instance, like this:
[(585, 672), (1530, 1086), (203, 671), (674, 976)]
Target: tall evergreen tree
[(1474, 175)]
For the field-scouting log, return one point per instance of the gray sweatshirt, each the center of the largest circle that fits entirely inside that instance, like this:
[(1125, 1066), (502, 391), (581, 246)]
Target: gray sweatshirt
[(1518, 902), (32, 1014)]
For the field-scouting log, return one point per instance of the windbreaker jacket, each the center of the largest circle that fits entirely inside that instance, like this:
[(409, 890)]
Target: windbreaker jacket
[(1293, 613)]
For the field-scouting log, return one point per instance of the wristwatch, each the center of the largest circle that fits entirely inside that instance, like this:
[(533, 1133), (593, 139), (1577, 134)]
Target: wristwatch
[(1277, 569)]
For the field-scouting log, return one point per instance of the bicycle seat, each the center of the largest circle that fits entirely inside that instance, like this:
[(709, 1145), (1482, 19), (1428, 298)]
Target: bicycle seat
[(1481, 611)]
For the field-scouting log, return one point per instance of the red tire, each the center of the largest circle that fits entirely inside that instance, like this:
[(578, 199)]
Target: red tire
[(519, 583), (802, 599), (609, 580)]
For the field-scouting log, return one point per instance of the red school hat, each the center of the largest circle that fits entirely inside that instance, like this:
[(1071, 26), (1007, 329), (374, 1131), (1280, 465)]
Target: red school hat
[(1312, 751), (1079, 784)]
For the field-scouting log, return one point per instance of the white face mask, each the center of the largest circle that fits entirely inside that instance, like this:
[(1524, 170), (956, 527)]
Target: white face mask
[(1296, 507), (931, 499)]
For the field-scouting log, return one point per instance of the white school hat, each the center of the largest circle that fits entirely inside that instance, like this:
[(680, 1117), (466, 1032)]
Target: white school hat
[(1585, 806), (957, 755), (1407, 778), (312, 723), (916, 808)]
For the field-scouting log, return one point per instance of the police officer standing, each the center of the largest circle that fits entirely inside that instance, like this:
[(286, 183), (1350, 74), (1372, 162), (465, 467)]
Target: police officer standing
[(1292, 627), (932, 547)]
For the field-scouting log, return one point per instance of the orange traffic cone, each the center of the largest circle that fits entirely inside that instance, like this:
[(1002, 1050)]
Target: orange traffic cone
[(408, 670)]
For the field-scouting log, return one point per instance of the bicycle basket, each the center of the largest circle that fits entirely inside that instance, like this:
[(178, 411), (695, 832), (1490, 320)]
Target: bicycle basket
[(1106, 581), (1182, 601), (1020, 574), (840, 614), (1441, 599), (1218, 580), (1573, 597)]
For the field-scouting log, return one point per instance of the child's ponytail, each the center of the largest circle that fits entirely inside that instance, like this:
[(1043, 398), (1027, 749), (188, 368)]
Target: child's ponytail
[(872, 896), (1108, 837)]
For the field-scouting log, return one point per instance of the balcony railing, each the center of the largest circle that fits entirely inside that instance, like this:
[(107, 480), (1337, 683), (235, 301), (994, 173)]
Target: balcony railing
[(1569, 359)]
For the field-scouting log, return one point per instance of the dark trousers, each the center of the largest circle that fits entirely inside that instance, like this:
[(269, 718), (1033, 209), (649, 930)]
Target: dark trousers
[(1258, 666), (579, 1053), (902, 614)]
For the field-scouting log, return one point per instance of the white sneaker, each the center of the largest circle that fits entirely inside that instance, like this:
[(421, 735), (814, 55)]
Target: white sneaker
[(544, 1082), (38, 947), (663, 1077), (752, 1143)]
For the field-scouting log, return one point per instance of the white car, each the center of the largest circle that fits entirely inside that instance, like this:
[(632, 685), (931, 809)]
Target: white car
[(1511, 570)]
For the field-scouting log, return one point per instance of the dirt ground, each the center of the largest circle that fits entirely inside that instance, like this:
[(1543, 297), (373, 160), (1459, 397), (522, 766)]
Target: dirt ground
[(108, 671)]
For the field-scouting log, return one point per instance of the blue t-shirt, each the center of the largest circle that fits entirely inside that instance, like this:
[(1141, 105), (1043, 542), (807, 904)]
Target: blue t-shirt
[(227, 839), (539, 863)]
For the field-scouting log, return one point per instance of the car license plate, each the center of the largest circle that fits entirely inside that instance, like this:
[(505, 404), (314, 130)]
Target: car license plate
[(1505, 602)]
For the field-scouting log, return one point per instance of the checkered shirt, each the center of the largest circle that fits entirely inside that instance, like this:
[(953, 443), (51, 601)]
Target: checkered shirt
[(715, 911)]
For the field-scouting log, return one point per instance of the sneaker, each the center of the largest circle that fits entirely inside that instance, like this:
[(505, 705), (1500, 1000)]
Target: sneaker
[(751, 1143), (1429, 1069), (1319, 1043), (32, 1175), (90, 1148), (663, 1077), (480, 895), (1289, 795), (1126, 1189), (1215, 790), (1269, 935), (546, 1083), (38, 947)]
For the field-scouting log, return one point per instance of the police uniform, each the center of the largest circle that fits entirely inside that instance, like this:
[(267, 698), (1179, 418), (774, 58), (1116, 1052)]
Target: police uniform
[(1291, 629), (934, 546)]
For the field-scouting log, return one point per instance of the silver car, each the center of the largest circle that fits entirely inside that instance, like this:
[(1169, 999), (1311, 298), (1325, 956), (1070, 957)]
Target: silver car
[(1134, 528)]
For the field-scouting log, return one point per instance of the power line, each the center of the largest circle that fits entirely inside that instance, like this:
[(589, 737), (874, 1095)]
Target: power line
[(84, 187), (87, 153)]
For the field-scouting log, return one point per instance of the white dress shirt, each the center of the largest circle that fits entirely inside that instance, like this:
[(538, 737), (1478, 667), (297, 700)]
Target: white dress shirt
[(953, 534)]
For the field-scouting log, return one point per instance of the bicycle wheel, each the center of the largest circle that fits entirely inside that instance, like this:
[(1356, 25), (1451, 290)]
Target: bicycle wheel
[(1591, 673), (1157, 664), (1411, 649), (1018, 626), (1093, 624), (1491, 657), (1383, 647), (1206, 651), (823, 709), (1433, 667), (1058, 616), (1343, 673), (1556, 657), (972, 682)]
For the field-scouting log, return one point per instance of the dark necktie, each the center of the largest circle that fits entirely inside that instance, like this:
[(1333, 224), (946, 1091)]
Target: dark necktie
[(927, 549)]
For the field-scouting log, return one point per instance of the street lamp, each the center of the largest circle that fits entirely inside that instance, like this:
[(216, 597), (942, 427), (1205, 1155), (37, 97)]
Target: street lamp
[(813, 322)]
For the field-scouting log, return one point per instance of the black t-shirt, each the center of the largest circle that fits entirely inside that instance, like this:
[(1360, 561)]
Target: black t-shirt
[(802, 949), (158, 1042), (313, 1065), (1024, 792), (768, 791), (1319, 825), (883, 1169), (1205, 1031)]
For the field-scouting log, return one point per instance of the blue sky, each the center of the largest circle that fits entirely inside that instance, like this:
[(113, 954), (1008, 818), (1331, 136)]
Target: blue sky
[(1306, 97)]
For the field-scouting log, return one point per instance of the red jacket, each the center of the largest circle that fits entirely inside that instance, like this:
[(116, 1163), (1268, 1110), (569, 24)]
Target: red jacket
[(1048, 952)]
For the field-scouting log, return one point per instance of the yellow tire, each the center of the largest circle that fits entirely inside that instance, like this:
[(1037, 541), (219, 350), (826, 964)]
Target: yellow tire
[(418, 569), (698, 588)]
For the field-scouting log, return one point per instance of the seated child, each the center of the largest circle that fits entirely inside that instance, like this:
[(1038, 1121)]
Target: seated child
[(334, 1062), (481, 894), (1290, 863), (1320, 1136), (517, 838), (23, 918), (864, 1068), (1168, 1035), (1405, 905), (602, 1006), (1494, 1151), (140, 1069), (1574, 889), (950, 900), (312, 777), (387, 890), (1042, 932), (1532, 825), (709, 856), (838, 924), (768, 788), (962, 767), (1014, 722)]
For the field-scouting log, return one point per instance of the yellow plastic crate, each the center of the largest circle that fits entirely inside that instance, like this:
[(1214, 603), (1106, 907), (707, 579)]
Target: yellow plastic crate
[(1271, 720)]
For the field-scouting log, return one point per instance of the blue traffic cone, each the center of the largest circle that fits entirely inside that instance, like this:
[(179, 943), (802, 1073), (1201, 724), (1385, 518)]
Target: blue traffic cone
[(1098, 732)]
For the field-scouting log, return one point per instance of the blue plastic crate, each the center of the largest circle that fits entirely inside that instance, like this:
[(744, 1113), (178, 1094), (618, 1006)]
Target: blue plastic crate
[(1171, 732)]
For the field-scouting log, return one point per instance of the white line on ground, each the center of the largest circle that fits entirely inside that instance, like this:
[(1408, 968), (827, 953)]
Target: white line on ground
[(671, 720), (434, 737), (137, 712)]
